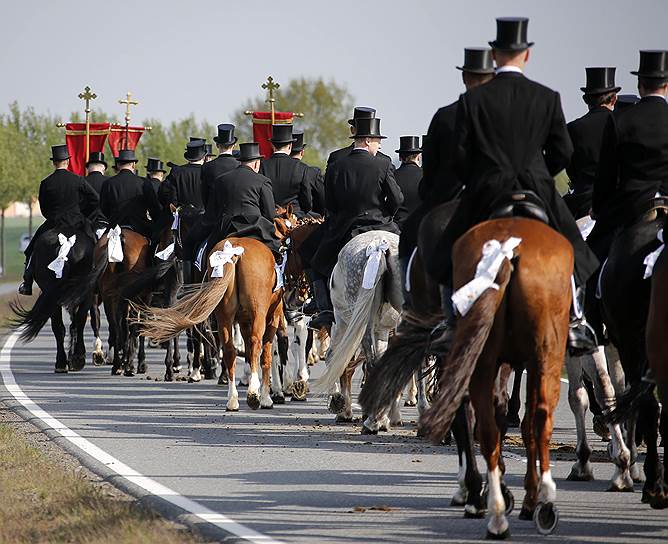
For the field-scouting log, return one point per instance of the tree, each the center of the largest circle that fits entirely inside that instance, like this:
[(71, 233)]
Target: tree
[(326, 106), (11, 146)]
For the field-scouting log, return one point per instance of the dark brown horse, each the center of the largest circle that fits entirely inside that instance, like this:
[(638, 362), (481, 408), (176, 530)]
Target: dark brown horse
[(524, 320), (244, 292)]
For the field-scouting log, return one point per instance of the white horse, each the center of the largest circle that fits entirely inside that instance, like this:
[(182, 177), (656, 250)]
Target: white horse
[(366, 295)]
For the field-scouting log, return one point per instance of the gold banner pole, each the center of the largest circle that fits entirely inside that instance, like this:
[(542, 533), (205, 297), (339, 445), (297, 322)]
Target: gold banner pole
[(128, 104), (87, 95)]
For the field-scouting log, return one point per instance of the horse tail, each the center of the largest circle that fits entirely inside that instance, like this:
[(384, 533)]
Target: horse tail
[(470, 337), (69, 293), (163, 324), (340, 355), (393, 370)]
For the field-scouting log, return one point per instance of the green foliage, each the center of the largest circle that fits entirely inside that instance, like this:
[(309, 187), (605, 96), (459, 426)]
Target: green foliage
[(326, 106)]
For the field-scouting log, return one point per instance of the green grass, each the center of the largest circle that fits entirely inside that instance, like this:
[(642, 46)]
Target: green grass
[(14, 228)]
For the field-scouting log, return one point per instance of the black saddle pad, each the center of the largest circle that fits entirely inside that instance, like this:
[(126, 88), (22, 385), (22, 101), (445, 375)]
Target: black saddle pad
[(520, 204)]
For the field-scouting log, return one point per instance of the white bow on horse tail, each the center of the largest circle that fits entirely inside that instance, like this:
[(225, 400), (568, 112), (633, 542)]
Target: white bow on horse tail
[(369, 296), (115, 245), (59, 262)]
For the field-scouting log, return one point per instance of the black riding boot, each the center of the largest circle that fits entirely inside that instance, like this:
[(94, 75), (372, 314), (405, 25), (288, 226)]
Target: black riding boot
[(581, 336), (325, 315), (26, 285)]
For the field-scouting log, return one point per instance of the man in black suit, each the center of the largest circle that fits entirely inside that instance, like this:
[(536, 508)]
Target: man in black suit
[(313, 173), (600, 94), (126, 198), (511, 134), (223, 163), (66, 201), (633, 164), (360, 112), (289, 176), (439, 182), (408, 175), (183, 185), (361, 194), (96, 168), (155, 173), (242, 202)]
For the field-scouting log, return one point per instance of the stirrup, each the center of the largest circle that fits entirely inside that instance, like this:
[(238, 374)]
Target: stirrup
[(581, 338), (25, 288)]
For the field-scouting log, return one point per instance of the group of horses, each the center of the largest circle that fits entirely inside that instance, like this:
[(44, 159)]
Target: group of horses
[(514, 318)]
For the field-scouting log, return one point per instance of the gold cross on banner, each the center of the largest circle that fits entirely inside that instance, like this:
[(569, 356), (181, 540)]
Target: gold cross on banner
[(87, 95), (270, 86), (128, 104)]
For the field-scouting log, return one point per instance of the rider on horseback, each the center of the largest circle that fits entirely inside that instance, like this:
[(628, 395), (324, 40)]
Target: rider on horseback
[(66, 200), (313, 175), (361, 194), (511, 134)]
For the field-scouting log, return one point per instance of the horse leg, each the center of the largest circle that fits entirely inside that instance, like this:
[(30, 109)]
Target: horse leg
[(412, 391), (515, 401), (170, 346), (649, 413), (424, 377), (115, 336), (196, 363), (176, 357), (470, 492), (98, 355), (253, 334), (596, 368), (225, 327), (267, 355), (345, 412), (529, 439), (78, 357), (141, 354), (578, 400), (277, 387), (58, 328), (131, 333), (299, 351)]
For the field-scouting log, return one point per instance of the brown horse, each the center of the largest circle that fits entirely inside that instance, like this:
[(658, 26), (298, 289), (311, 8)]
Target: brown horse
[(245, 294), (524, 320)]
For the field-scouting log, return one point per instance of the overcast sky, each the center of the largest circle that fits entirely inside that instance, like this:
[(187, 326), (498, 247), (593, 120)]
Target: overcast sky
[(397, 56)]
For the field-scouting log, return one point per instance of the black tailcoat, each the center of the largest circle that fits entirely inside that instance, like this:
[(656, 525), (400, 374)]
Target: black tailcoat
[(241, 204), (212, 169), (345, 151), (182, 186), (96, 181), (66, 201), (317, 184), (408, 177), (587, 135), (289, 181), (361, 194), (511, 134), (126, 199)]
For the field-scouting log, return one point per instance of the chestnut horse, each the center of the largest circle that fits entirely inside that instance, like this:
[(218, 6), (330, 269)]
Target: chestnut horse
[(523, 319), (245, 294)]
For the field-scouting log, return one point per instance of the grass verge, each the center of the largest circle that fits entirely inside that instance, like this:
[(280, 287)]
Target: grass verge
[(41, 501)]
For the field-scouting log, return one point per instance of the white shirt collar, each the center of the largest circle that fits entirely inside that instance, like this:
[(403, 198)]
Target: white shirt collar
[(515, 69), (360, 149), (655, 94)]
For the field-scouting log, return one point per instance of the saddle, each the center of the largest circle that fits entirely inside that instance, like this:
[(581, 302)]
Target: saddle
[(520, 204), (649, 210)]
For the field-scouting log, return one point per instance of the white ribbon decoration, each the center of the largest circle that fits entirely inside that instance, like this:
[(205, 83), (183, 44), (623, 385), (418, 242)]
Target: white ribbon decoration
[(59, 262), (280, 271), (493, 255), (373, 252), (651, 259), (100, 232), (586, 225), (166, 253), (175, 222), (114, 245), (219, 259)]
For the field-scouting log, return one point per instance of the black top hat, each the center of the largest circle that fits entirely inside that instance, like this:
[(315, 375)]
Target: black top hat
[(298, 144), (196, 138), (155, 165), (249, 152), (409, 144), (96, 157), (367, 128), (600, 80), (225, 135), (425, 139), (362, 112), (653, 64), (195, 150), (281, 134), (209, 150), (59, 152), (477, 60), (511, 34), (126, 155)]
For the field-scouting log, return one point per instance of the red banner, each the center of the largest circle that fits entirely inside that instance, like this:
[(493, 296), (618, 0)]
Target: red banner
[(75, 137), (262, 127), (118, 140)]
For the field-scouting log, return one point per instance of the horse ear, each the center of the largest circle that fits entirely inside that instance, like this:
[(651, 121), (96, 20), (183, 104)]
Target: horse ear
[(290, 210), (172, 208)]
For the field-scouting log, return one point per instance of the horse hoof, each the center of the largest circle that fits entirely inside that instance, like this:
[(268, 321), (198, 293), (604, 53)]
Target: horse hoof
[(299, 390), (222, 380), (61, 370), (253, 401), (211, 375), (141, 370), (397, 423), (501, 536), (473, 512), (129, 373), (546, 517), (340, 418), (98, 359), (526, 514), (410, 403), (579, 474), (366, 430), (337, 403), (278, 399), (513, 422), (659, 502), (169, 377), (420, 433), (116, 371), (267, 406), (457, 501), (228, 409), (619, 488)]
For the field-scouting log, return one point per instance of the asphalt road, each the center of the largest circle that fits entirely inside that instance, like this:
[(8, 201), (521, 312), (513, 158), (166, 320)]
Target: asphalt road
[(291, 474)]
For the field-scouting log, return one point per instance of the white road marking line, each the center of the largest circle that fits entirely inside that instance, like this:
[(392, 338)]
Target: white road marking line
[(123, 470)]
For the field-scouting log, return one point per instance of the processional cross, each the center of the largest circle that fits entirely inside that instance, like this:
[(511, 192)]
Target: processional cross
[(128, 104), (87, 95)]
